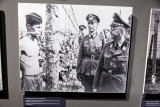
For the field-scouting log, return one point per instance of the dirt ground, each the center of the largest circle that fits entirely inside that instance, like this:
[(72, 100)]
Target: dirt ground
[(152, 88)]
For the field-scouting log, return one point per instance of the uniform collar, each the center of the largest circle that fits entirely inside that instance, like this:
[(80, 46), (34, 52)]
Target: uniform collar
[(93, 35), (114, 44), (121, 49), (31, 36), (120, 43)]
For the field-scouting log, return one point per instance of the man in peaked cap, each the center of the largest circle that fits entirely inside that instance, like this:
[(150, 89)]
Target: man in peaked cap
[(89, 51), (93, 21), (113, 63), (117, 21), (92, 17), (81, 27), (29, 54)]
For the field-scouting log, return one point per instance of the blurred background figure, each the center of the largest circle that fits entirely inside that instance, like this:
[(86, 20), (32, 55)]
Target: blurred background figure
[(106, 34), (83, 32)]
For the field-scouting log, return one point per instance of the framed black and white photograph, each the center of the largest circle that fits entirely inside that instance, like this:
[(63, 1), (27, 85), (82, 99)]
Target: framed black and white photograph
[(3, 59), (152, 76), (74, 50)]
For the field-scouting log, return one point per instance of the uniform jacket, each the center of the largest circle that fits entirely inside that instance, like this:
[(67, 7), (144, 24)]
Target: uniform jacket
[(115, 61), (90, 48)]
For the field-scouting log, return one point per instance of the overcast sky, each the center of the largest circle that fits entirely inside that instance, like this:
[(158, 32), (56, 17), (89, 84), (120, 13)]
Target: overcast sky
[(105, 13)]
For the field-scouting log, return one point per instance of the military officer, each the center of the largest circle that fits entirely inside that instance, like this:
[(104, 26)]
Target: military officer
[(113, 63), (89, 51)]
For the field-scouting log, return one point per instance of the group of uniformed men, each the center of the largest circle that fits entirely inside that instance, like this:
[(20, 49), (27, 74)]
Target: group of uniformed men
[(101, 65)]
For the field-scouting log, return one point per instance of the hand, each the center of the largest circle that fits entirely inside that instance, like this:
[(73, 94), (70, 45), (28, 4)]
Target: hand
[(78, 77), (95, 90)]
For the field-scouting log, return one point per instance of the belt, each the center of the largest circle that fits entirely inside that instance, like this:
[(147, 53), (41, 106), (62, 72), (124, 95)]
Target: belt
[(93, 57), (114, 71), (32, 75)]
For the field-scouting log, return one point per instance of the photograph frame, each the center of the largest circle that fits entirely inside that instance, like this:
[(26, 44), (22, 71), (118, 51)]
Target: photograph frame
[(85, 95), (151, 77), (77, 96), (4, 92)]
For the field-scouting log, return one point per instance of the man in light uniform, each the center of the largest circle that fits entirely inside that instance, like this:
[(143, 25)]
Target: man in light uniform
[(89, 51)]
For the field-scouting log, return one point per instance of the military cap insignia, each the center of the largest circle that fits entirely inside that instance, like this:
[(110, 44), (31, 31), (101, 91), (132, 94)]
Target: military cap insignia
[(91, 17)]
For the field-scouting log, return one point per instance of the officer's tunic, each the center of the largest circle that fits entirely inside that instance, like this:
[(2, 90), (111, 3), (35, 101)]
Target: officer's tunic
[(89, 52), (112, 69)]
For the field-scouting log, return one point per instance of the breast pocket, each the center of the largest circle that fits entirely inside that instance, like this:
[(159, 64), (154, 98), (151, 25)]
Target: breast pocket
[(86, 47), (122, 63), (99, 46), (100, 49), (108, 63)]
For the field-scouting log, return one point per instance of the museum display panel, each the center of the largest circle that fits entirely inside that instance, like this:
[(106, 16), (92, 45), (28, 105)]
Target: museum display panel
[(43, 102), (67, 48), (3, 59), (152, 65)]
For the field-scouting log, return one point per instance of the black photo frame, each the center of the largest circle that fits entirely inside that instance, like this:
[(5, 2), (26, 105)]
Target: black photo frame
[(151, 82), (4, 91), (78, 95), (59, 40)]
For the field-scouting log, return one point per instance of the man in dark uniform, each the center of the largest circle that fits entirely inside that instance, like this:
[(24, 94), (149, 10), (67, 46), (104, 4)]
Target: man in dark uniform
[(29, 54), (113, 63), (89, 51), (82, 29)]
